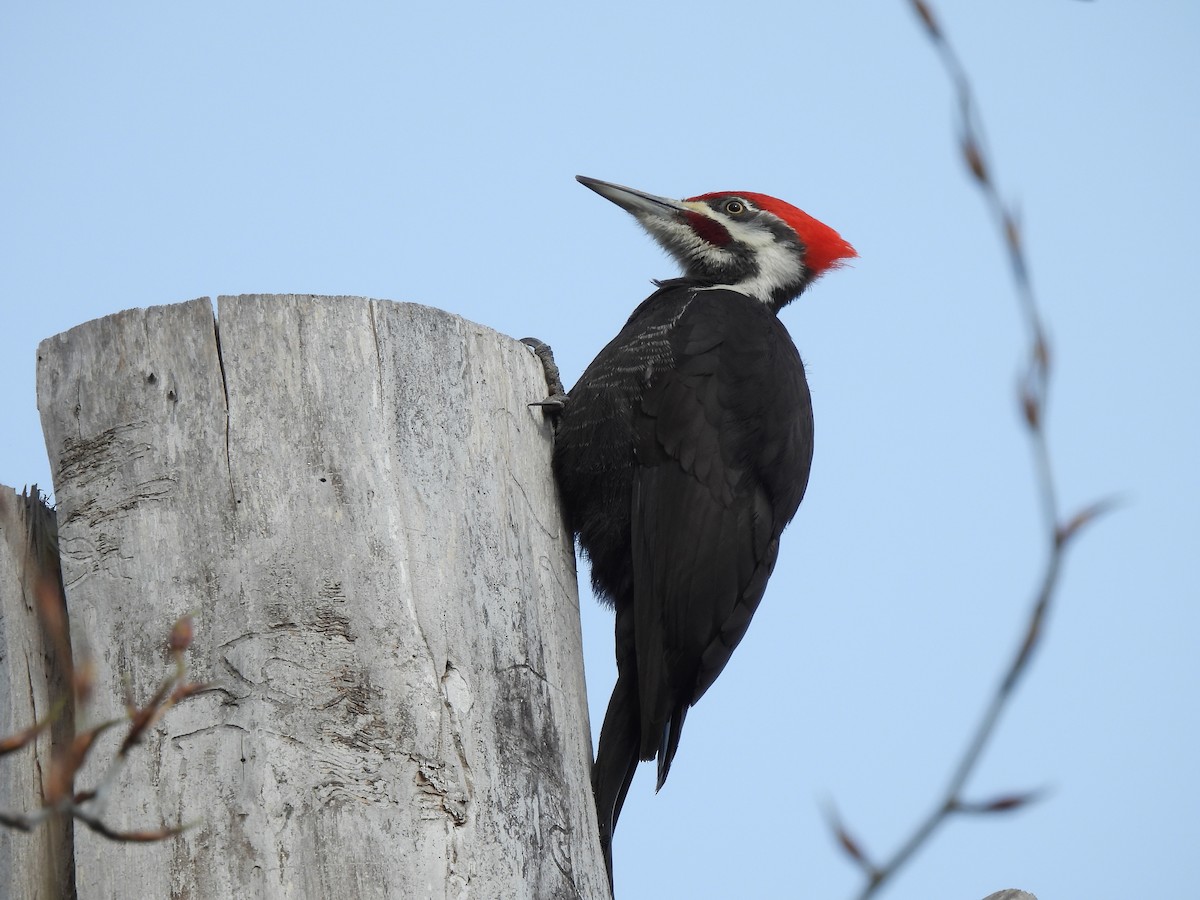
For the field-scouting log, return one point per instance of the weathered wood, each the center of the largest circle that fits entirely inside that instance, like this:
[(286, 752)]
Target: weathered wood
[(354, 502), (34, 680)]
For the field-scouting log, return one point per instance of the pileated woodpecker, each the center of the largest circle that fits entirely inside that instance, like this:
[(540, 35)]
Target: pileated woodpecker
[(682, 454)]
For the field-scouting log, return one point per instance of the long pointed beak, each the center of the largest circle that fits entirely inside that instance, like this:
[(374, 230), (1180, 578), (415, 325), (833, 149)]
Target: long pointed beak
[(638, 203)]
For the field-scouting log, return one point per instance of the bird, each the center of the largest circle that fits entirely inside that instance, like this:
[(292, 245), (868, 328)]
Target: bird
[(682, 453)]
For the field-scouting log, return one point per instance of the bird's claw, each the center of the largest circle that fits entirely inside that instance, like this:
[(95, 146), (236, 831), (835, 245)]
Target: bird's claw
[(557, 399), (552, 405)]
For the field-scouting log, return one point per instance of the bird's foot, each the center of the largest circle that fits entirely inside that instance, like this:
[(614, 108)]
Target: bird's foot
[(557, 399)]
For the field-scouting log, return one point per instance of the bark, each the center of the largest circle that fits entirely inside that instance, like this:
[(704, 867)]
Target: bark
[(355, 504)]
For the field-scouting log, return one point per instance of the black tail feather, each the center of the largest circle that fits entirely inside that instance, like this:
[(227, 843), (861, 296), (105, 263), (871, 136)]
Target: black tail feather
[(669, 744), (616, 761)]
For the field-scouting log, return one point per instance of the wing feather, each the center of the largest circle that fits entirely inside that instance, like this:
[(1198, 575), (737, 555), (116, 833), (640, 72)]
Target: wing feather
[(723, 441)]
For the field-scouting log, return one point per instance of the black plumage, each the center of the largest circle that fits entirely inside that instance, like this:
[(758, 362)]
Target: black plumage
[(681, 455)]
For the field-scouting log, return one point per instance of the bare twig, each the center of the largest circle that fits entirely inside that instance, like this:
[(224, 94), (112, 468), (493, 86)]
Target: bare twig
[(59, 795), (87, 806), (1033, 392)]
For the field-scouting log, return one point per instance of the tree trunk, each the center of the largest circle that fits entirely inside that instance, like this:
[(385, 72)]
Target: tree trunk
[(35, 659), (354, 502)]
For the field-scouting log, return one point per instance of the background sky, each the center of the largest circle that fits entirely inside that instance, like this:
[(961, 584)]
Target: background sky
[(426, 152)]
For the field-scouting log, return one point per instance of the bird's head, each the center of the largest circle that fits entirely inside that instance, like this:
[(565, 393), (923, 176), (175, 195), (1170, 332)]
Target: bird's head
[(747, 242)]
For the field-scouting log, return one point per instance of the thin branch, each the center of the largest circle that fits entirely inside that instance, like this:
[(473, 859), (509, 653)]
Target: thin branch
[(1033, 394), (59, 795)]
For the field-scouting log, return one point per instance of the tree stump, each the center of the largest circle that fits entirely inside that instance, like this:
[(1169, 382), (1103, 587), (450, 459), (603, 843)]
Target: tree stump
[(354, 502), (35, 662)]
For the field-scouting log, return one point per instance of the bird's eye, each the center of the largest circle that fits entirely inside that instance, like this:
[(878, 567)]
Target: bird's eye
[(735, 207)]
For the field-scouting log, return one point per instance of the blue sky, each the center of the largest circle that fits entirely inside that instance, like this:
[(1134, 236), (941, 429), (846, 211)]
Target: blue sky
[(158, 152)]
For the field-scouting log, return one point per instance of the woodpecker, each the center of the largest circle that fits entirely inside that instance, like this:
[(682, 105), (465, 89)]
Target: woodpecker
[(683, 452)]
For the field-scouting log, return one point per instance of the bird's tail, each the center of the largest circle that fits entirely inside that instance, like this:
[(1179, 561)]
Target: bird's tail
[(669, 743), (616, 759)]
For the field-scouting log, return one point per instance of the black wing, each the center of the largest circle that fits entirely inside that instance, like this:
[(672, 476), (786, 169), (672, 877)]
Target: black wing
[(723, 441)]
